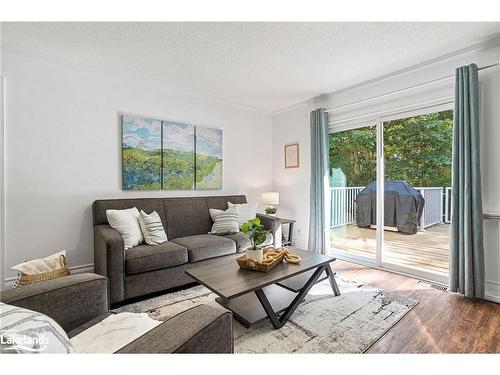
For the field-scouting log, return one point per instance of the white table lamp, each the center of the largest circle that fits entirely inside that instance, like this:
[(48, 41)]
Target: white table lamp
[(271, 199)]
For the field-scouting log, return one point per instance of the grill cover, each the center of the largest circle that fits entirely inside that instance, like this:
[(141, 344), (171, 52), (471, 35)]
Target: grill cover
[(403, 206)]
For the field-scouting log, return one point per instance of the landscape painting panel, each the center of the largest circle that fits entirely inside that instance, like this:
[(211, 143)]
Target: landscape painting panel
[(141, 153), (208, 158), (178, 156)]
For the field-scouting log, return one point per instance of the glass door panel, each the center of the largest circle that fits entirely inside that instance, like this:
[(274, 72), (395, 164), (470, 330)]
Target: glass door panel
[(353, 174), (417, 170)]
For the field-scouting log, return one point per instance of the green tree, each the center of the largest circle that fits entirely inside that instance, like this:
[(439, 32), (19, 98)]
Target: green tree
[(416, 149), (354, 153)]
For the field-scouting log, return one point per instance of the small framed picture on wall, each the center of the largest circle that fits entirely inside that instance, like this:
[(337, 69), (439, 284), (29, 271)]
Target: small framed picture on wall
[(292, 155)]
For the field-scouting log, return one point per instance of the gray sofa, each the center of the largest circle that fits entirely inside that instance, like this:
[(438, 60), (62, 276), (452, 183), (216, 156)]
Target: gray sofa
[(146, 269), (77, 302)]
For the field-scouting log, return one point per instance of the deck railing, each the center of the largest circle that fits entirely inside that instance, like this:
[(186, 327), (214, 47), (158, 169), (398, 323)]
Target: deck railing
[(437, 208), (343, 203)]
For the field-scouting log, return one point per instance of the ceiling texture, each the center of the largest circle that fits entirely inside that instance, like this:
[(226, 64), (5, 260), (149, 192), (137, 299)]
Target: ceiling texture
[(265, 66)]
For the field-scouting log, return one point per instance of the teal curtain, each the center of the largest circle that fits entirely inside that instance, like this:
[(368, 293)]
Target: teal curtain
[(467, 250), (319, 182)]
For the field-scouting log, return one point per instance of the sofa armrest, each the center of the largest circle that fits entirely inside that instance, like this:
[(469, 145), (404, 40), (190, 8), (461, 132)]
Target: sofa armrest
[(109, 260), (272, 224), (70, 300), (202, 329)]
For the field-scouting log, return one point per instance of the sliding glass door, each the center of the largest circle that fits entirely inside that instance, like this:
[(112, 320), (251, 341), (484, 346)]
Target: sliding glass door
[(390, 183)]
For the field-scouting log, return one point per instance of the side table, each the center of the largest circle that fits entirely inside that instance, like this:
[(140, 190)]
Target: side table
[(277, 222)]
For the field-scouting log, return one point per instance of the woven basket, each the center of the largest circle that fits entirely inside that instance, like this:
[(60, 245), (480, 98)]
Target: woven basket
[(24, 279), (249, 264)]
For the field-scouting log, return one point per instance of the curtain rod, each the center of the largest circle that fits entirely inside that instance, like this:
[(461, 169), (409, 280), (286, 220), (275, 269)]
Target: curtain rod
[(411, 88), (398, 110)]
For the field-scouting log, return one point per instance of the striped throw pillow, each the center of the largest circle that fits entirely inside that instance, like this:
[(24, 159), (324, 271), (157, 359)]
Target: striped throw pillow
[(225, 222), (152, 228)]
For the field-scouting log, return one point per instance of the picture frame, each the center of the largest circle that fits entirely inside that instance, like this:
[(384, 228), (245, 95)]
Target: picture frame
[(292, 155)]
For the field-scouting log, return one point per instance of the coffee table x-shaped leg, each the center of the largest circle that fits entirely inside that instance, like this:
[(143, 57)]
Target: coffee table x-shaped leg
[(279, 320)]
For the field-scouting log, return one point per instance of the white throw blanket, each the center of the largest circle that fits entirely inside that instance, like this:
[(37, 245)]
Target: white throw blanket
[(113, 333)]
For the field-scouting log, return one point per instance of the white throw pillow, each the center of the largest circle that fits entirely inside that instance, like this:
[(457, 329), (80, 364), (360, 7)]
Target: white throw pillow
[(225, 222), (36, 266), (126, 222), (152, 228), (245, 211), (27, 331)]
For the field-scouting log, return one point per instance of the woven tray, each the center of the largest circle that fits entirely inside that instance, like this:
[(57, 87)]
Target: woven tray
[(261, 267)]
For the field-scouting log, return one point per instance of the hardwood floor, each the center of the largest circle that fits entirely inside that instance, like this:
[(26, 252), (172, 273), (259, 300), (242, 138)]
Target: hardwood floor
[(428, 250), (441, 322)]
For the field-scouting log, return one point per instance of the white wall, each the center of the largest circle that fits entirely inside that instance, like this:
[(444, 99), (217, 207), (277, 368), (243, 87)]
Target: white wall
[(293, 125), (64, 150), (293, 183), (2, 170)]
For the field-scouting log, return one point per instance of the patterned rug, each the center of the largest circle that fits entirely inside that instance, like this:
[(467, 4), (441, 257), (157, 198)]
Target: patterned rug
[(323, 323)]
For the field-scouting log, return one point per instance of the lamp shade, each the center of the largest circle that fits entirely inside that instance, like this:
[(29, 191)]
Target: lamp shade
[(270, 197)]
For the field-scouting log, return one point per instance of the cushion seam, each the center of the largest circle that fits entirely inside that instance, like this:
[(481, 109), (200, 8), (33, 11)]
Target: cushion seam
[(151, 255), (154, 269)]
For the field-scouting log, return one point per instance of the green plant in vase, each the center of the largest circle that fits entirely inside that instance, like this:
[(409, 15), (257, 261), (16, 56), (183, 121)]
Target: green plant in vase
[(270, 210), (255, 232)]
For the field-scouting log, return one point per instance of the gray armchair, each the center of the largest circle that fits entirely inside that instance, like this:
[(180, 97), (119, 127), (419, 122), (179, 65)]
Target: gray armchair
[(71, 301), (79, 301)]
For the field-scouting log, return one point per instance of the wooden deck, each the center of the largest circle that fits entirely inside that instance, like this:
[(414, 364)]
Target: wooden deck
[(427, 250)]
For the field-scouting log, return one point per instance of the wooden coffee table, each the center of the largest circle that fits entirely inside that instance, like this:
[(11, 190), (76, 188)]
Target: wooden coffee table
[(253, 296)]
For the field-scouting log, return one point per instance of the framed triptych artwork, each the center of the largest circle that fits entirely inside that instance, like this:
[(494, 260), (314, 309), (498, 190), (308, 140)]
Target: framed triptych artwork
[(169, 155)]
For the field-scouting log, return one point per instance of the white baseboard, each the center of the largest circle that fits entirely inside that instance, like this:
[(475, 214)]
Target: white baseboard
[(9, 282), (492, 291)]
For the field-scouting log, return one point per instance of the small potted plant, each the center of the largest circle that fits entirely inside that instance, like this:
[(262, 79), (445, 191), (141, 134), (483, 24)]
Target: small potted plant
[(256, 233), (270, 210)]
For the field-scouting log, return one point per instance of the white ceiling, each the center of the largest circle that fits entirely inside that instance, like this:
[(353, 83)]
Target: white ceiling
[(268, 66)]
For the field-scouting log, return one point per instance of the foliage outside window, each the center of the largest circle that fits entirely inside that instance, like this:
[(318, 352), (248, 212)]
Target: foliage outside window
[(416, 149)]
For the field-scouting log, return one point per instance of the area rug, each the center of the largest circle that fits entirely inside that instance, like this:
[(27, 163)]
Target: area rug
[(323, 323)]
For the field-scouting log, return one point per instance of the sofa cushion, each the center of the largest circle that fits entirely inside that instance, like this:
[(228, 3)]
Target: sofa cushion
[(220, 202), (187, 217), (145, 258), (206, 246), (99, 208), (242, 241)]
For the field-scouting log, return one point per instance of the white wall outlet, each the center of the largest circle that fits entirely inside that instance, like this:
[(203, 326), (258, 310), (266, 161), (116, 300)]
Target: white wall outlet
[(298, 233)]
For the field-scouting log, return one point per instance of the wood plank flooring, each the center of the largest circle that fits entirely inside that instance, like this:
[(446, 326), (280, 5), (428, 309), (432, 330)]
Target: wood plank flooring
[(428, 250), (441, 322)]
